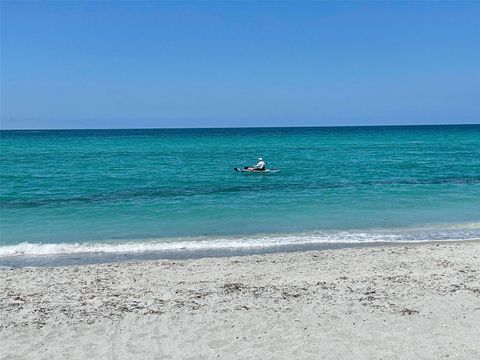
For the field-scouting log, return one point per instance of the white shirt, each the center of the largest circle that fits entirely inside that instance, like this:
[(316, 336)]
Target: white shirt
[(260, 165)]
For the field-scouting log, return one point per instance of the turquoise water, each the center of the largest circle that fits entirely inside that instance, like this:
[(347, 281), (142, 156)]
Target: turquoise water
[(130, 190)]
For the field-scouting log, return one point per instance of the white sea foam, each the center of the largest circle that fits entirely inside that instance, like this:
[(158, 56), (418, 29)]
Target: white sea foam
[(469, 231)]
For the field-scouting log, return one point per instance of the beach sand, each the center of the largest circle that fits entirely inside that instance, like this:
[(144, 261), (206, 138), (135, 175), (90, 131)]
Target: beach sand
[(391, 302)]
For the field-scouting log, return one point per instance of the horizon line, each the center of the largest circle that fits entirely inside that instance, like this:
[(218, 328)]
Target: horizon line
[(235, 127)]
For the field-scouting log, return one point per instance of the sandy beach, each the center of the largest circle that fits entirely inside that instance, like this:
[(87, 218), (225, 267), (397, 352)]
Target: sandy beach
[(393, 302)]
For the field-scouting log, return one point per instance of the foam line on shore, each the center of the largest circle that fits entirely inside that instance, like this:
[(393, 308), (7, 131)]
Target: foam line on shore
[(242, 243)]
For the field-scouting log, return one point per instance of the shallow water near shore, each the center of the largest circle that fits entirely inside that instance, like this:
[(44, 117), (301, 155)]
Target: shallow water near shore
[(130, 191)]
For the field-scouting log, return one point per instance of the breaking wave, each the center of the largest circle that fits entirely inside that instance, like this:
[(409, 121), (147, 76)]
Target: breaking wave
[(466, 231)]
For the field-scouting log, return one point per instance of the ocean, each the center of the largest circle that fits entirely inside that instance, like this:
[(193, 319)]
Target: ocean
[(81, 194)]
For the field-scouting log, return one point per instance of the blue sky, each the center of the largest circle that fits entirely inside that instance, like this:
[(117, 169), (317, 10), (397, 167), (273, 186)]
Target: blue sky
[(204, 64)]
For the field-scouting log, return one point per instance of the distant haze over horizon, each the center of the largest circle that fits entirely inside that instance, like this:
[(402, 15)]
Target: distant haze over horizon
[(133, 65)]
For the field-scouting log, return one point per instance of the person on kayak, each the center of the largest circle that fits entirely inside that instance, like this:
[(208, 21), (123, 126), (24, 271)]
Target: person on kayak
[(261, 165)]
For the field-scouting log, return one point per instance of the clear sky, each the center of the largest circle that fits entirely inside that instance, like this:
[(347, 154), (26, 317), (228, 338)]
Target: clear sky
[(202, 64)]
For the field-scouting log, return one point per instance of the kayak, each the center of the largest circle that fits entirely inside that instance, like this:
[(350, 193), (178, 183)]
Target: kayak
[(249, 170)]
